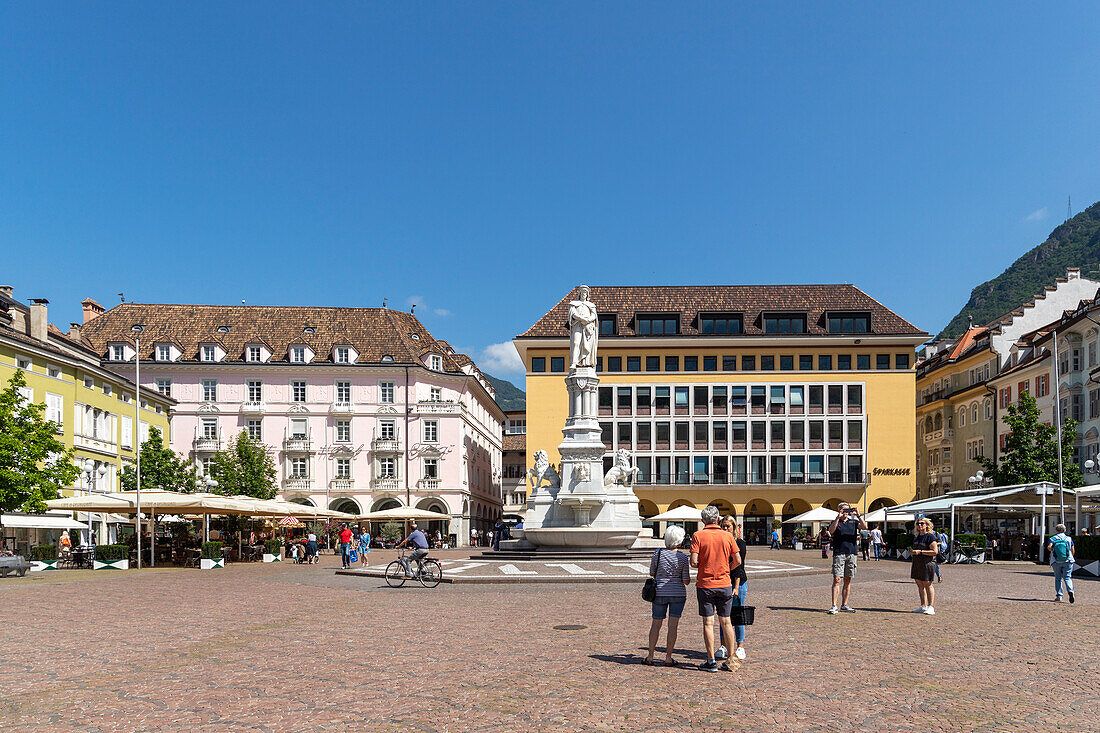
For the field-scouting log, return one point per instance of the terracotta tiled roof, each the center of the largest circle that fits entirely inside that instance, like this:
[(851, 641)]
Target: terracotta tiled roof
[(515, 442), (752, 301), (372, 332), (973, 341)]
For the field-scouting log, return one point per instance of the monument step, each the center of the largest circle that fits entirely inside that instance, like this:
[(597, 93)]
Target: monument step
[(563, 554)]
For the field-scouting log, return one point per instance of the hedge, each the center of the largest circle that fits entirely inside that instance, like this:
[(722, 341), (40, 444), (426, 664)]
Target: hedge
[(903, 540), (212, 550), (1086, 549), (978, 540), (44, 553), (111, 553), (273, 547)]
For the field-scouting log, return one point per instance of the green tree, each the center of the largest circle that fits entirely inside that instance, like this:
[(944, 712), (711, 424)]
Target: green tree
[(34, 463), (392, 531), (1031, 449), (161, 468), (244, 468)]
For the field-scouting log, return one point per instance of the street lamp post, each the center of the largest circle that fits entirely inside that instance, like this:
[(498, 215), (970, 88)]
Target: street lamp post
[(1058, 430), (211, 484), (138, 328)]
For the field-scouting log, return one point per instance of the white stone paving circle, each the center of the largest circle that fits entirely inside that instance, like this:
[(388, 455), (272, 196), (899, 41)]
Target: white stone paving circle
[(589, 568)]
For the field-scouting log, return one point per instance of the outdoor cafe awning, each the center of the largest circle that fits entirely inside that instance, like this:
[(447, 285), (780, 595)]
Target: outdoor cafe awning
[(679, 514), (40, 521), (402, 513)]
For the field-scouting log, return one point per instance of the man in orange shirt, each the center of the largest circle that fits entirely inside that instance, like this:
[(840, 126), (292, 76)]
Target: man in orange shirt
[(714, 552)]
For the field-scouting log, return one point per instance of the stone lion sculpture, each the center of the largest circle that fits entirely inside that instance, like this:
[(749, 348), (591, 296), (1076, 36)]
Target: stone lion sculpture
[(622, 473), (542, 471)]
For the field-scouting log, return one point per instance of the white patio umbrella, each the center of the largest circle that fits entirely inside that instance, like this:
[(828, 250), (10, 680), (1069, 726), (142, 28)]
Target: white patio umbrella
[(401, 513), (679, 514), (821, 514), (879, 515)]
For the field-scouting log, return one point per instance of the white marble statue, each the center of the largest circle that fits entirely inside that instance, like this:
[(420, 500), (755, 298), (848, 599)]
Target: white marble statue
[(583, 330), (542, 471), (622, 473)]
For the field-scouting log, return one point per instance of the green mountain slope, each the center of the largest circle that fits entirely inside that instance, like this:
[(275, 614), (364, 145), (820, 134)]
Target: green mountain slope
[(509, 396), (1075, 243)]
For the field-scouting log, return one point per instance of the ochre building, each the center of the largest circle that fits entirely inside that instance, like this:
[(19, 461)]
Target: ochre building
[(767, 401)]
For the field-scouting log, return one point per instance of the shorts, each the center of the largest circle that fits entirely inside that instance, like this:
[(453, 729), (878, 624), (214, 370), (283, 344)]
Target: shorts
[(844, 566), (668, 605), (715, 600)]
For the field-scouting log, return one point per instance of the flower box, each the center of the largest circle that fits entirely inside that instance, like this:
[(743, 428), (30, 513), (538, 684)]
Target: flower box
[(123, 564)]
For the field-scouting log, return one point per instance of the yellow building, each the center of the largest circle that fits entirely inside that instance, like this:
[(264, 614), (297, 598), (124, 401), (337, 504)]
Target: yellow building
[(767, 401), (93, 406)]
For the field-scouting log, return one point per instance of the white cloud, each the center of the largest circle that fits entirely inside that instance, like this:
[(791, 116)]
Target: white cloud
[(1038, 215), (420, 302), (441, 312), (500, 359)]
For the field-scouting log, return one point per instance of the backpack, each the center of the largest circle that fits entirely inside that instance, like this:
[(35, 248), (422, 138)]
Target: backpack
[(1059, 548), (941, 551)]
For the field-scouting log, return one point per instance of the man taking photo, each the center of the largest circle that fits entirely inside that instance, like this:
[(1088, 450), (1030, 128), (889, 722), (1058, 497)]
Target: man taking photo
[(845, 531)]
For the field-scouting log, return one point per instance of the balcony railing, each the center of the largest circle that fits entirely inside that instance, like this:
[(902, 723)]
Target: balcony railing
[(429, 484), (385, 445), (205, 444), (343, 484), (297, 483), (437, 408), (94, 443), (342, 408), (933, 436), (748, 479), (385, 483), (296, 444), (254, 407)]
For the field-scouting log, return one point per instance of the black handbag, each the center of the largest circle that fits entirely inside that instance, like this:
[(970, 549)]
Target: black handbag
[(649, 588), (742, 615)]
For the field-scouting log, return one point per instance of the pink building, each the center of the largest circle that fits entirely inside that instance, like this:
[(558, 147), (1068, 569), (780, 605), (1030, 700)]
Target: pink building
[(361, 407)]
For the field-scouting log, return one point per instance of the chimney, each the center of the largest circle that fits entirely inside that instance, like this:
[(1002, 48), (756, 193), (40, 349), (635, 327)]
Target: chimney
[(1073, 273), (74, 331), (7, 290), (91, 309), (39, 323)]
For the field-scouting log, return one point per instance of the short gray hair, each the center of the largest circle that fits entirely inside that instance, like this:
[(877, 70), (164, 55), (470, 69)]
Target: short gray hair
[(1061, 528), (674, 536), (710, 515)]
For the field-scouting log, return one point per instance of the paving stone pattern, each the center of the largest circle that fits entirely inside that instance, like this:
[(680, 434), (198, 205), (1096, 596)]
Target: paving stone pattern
[(296, 648)]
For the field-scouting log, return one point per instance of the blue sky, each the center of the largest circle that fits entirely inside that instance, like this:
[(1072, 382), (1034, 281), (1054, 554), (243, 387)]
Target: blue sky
[(483, 158)]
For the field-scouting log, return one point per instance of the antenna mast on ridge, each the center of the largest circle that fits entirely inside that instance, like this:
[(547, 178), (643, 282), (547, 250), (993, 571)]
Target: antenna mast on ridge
[(1069, 208)]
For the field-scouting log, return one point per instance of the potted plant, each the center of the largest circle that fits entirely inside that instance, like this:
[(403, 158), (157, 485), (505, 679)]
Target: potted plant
[(43, 557), (111, 557), (211, 556), (273, 550), (800, 535)]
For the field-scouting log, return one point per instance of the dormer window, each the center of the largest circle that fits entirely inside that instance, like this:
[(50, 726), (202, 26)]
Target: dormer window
[(387, 358), (608, 324), (435, 362), (255, 354), (343, 355), (719, 324), (298, 354), (657, 324), (849, 322), (223, 329), (118, 352), (309, 329), (208, 353), (414, 336), (784, 323), (164, 352)]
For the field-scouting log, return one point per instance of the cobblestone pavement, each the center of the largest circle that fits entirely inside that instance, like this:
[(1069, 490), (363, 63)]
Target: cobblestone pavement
[(295, 648)]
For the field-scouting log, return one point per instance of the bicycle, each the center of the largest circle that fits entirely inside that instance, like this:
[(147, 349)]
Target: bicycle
[(429, 573)]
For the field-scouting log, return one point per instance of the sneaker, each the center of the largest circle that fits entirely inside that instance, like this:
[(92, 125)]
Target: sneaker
[(847, 609), (832, 611), (721, 653), (1057, 599), (919, 610), (739, 652), (929, 611), (726, 667), (709, 666), (1071, 596)]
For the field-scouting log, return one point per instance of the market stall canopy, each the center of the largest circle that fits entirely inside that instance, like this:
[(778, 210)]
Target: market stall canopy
[(279, 508), (879, 515), (402, 512), (290, 522), (40, 521), (679, 514), (821, 514)]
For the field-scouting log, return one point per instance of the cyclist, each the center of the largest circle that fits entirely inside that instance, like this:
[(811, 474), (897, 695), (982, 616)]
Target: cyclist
[(417, 538)]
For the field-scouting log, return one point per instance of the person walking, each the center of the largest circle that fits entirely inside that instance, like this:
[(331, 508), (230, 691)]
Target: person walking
[(311, 549), (775, 539), (877, 542), (865, 543), (714, 553), (823, 540), (669, 567), (345, 546), (364, 546), (1060, 547), (844, 532), (941, 554), (924, 550)]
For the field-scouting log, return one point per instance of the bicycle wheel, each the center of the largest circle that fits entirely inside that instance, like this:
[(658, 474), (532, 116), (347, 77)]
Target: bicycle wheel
[(431, 573), (395, 575)]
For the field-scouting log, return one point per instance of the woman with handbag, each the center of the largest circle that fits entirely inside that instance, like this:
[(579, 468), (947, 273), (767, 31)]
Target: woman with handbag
[(666, 589)]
